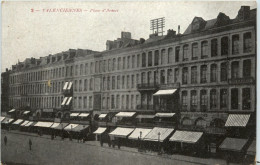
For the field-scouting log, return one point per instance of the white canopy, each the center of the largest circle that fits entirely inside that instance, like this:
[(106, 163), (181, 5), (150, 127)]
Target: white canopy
[(18, 121), (65, 86), (102, 115), (43, 124), (29, 123), (2, 118), (186, 136), (164, 114), (121, 132), (100, 130), (74, 114), (84, 115), (70, 127), (26, 112), (125, 114), (7, 121), (69, 100), (165, 92), (25, 122), (12, 110), (136, 134), (70, 85), (64, 100), (158, 133), (55, 125), (237, 120)]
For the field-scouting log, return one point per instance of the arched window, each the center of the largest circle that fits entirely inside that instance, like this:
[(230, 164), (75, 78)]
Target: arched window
[(184, 100), (194, 74), (223, 74), (224, 46), (213, 72), (194, 100), (247, 68), (185, 75), (177, 54), (143, 60), (185, 52), (247, 42), (203, 74), (195, 51), (235, 69), (170, 55), (203, 100), (186, 121), (219, 123), (214, 47), (163, 56), (150, 58), (204, 49), (156, 57), (235, 44), (213, 98), (200, 122)]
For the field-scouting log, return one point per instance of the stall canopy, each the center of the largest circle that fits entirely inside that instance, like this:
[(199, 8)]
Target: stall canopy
[(7, 120), (165, 92), (145, 116), (125, 114), (65, 85), (237, 120), (100, 130), (2, 118), (12, 110), (158, 133), (69, 86), (30, 123), (64, 100), (70, 127), (26, 112), (61, 126), (84, 115), (164, 114), (121, 132), (18, 121), (101, 116), (43, 124), (252, 149), (55, 125), (186, 136), (69, 100), (74, 114), (139, 132), (25, 122), (80, 128), (233, 144)]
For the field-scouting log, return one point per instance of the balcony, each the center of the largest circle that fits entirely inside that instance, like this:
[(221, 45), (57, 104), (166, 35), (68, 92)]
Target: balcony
[(147, 86), (247, 80)]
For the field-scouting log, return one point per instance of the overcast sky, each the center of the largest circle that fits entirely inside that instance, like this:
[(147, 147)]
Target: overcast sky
[(28, 34)]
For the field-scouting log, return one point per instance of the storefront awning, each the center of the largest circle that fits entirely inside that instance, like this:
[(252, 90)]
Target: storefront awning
[(125, 114), (186, 136), (165, 92), (65, 85), (237, 120), (70, 127), (102, 116), (100, 130), (64, 100), (233, 144), (121, 132), (158, 133), (60, 126), (30, 123), (80, 128), (7, 120), (24, 123), (139, 132), (2, 118), (26, 112), (69, 86), (55, 125), (145, 116), (252, 149), (164, 114), (12, 110), (69, 100), (43, 124), (84, 115), (18, 121), (74, 114)]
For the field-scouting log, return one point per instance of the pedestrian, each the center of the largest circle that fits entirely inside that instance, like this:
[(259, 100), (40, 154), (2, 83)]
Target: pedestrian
[(5, 140), (30, 144)]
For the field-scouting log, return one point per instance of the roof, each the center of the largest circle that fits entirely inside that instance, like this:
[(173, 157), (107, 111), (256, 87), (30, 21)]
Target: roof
[(186, 136), (157, 133)]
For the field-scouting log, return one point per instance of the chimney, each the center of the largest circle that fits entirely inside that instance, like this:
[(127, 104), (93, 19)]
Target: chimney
[(126, 35), (142, 40), (6, 69), (244, 13), (171, 32), (179, 27)]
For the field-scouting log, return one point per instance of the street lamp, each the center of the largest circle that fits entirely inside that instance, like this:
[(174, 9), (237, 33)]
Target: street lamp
[(159, 134), (140, 139)]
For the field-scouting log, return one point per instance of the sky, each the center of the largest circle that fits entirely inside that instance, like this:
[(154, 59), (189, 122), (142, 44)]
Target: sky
[(28, 30)]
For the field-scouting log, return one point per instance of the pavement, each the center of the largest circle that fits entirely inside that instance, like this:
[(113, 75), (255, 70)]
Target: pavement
[(47, 151)]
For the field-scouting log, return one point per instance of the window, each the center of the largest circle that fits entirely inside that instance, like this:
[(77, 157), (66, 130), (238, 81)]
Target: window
[(234, 69), (246, 102), (214, 48), (203, 74), (118, 82), (76, 85), (184, 100), (91, 67), (224, 46), (234, 98), (223, 74), (80, 102), (137, 79), (123, 62), (114, 64), (108, 102), (132, 102), (156, 80), (176, 75), (103, 102), (90, 102), (150, 58), (100, 66), (163, 56), (123, 82), (109, 65), (123, 102), (169, 76), (80, 85), (143, 80), (194, 75), (247, 68), (128, 61), (127, 101), (162, 77), (128, 82), (194, 101), (185, 75), (76, 70), (149, 77), (108, 83), (204, 49), (223, 98), (177, 54), (213, 99), (186, 121), (96, 67), (133, 81), (104, 66), (213, 72), (185, 52), (119, 63), (91, 84), (156, 58), (170, 55), (112, 102), (113, 82), (203, 100), (104, 83), (235, 44), (195, 51), (117, 101), (247, 43), (138, 60), (143, 60), (85, 84), (133, 61), (86, 69)]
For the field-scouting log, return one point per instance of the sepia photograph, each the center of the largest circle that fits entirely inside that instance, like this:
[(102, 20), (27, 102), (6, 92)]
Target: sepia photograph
[(123, 83)]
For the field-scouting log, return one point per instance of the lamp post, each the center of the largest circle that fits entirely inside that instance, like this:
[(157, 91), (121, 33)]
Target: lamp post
[(140, 140), (159, 147)]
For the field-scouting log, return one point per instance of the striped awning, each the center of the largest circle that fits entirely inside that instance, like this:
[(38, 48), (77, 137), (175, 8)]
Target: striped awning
[(70, 127), (186, 136), (139, 132), (55, 125), (165, 92), (43, 124), (145, 116), (125, 114), (102, 116), (121, 132), (69, 86), (65, 85), (26, 112), (158, 134), (24, 123), (7, 120), (100, 130), (64, 100), (237, 120), (164, 114), (80, 128), (84, 115), (69, 101), (12, 110), (18, 121), (60, 126), (74, 114), (30, 123), (252, 149), (2, 118), (233, 144)]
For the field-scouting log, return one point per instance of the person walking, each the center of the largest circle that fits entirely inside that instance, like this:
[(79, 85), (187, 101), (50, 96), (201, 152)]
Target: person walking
[(5, 140), (30, 144)]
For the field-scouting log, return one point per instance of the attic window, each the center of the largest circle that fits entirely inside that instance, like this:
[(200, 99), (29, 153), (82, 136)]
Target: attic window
[(195, 25)]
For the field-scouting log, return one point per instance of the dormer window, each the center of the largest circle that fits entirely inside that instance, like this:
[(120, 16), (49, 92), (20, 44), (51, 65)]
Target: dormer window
[(197, 24)]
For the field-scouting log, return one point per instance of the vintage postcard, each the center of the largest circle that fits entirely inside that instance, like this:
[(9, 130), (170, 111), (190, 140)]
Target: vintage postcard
[(122, 83)]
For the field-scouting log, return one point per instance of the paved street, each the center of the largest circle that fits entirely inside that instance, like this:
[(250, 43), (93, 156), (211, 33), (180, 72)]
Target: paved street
[(47, 151)]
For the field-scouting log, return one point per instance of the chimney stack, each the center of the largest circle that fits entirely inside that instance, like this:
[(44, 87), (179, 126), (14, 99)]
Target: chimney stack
[(179, 29)]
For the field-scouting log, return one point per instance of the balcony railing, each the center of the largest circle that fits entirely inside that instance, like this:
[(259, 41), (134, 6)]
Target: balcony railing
[(147, 86), (246, 80)]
